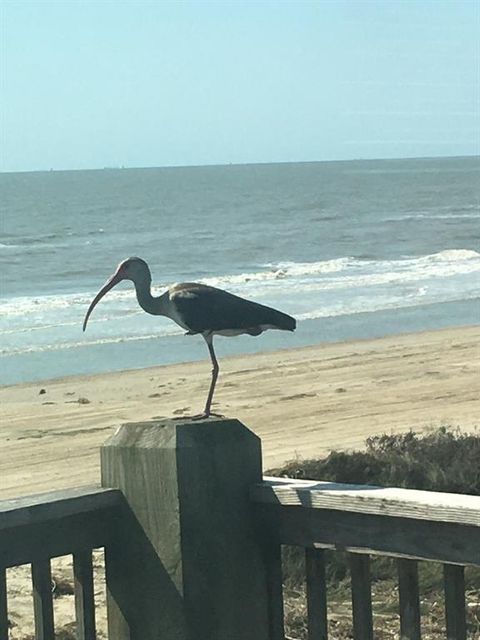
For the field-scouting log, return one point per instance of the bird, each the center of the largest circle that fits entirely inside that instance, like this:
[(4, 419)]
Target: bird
[(199, 309)]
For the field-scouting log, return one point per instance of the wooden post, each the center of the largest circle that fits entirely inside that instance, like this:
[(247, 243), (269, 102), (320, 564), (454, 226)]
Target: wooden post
[(361, 596), (3, 605), (316, 594), (187, 562), (409, 599), (454, 581)]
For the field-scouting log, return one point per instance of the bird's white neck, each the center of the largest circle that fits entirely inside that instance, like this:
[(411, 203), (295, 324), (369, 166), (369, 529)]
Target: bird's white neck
[(149, 303)]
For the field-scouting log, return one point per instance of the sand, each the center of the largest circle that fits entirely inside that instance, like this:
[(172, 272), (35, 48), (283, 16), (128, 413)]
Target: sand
[(301, 402)]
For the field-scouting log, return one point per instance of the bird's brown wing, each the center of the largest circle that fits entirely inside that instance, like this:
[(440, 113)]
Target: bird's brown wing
[(205, 308)]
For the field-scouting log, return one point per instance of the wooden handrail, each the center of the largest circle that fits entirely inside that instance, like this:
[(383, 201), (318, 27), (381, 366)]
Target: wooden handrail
[(52, 505), (369, 499), (57, 523), (423, 525)]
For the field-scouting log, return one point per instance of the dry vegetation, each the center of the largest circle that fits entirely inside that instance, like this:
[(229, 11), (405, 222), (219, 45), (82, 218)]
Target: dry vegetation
[(443, 460)]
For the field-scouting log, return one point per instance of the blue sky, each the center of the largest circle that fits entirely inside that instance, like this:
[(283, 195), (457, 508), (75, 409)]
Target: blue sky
[(136, 83)]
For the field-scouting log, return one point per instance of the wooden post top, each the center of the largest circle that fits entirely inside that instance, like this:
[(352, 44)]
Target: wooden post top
[(180, 433)]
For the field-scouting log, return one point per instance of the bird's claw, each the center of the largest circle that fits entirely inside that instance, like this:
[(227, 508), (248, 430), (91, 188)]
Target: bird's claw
[(200, 416), (205, 415)]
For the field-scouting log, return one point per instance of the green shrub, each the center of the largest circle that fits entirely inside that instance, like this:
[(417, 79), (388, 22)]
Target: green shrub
[(442, 460)]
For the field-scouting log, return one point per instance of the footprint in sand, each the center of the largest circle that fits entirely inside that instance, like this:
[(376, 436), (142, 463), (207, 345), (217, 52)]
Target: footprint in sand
[(32, 433), (78, 401), (178, 412), (298, 396)]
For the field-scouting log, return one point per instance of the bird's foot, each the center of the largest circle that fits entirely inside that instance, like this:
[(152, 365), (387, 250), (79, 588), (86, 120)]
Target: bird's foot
[(206, 414)]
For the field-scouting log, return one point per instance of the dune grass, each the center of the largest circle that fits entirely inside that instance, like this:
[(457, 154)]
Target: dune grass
[(442, 460)]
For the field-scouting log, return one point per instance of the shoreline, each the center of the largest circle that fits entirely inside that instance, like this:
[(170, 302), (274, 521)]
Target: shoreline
[(301, 401), (152, 351), (273, 351)]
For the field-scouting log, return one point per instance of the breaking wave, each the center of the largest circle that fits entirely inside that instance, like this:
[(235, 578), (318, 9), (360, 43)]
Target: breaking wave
[(307, 290)]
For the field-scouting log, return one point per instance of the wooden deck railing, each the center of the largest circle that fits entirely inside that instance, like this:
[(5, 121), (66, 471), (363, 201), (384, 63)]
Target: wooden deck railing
[(35, 529), (363, 520), (193, 534)]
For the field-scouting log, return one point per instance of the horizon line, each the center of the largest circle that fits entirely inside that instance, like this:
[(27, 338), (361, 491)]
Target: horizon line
[(239, 164)]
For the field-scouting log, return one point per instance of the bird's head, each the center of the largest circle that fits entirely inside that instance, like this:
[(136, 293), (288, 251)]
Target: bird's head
[(134, 269)]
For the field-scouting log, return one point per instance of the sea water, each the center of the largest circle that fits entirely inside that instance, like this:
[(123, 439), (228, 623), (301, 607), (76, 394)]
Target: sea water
[(351, 249)]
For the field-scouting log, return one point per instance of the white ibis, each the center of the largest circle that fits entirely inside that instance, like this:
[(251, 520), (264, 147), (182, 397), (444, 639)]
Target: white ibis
[(198, 308)]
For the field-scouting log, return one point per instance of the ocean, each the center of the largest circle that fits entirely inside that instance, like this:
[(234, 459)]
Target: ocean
[(352, 249)]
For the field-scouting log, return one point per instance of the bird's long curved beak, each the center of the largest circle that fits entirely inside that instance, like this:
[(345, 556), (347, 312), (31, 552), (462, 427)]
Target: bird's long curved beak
[(110, 283)]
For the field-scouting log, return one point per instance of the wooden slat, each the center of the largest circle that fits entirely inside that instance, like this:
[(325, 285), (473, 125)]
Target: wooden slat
[(365, 533), (316, 594), (3, 605), (409, 599), (455, 602), (393, 502), (42, 599), (361, 596), (273, 560), (63, 536), (56, 505), (84, 595)]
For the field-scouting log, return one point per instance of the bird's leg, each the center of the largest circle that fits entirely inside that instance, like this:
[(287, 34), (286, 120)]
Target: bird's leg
[(215, 369)]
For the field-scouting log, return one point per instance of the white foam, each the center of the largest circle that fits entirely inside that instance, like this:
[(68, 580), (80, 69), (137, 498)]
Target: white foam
[(58, 346), (8, 247), (283, 277), (307, 290), (371, 306)]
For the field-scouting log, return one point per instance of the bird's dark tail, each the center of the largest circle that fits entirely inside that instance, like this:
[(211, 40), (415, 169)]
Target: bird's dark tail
[(285, 322)]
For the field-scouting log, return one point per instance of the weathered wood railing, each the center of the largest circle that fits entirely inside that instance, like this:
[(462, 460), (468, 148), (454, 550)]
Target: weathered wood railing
[(35, 529), (192, 535), (362, 520)]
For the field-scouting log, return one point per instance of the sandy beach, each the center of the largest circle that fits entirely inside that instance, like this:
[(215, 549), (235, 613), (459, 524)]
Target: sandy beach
[(301, 402)]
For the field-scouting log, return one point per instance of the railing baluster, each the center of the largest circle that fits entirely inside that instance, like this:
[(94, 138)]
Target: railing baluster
[(3, 605), (42, 599), (84, 595), (454, 580), (316, 594), (409, 599), (361, 596), (273, 558)]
